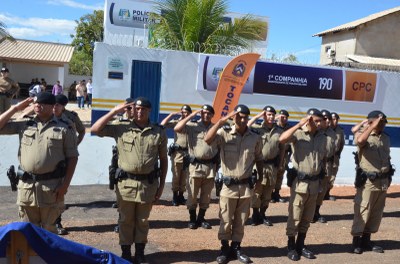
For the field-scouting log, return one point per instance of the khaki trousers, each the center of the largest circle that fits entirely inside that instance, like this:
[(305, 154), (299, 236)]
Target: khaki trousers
[(301, 212), (368, 211), (233, 214), (203, 186), (179, 176), (133, 222), (44, 217)]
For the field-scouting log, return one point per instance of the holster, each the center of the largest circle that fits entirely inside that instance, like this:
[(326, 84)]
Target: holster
[(253, 179), (12, 176), (218, 184), (291, 175), (360, 179), (112, 176)]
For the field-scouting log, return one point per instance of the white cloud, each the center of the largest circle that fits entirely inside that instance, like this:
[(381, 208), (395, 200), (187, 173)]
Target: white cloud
[(307, 51), (35, 27), (75, 4)]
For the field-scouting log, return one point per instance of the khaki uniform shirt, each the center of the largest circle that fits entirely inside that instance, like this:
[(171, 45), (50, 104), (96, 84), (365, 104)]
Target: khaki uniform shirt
[(179, 139), (195, 132), (7, 85), (270, 149), (238, 156), (339, 143), (309, 151), (138, 153), (77, 123), (375, 157)]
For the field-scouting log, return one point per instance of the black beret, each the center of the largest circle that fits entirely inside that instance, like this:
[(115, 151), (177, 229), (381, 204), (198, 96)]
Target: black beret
[(61, 99), (4, 69), (208, 108), (284, 112), (186, 108), (314, 111), (45, 98), (242, 109), (129, 100), (335, 115), (376, 114), (269, 108), (326, 114), (142, 101)]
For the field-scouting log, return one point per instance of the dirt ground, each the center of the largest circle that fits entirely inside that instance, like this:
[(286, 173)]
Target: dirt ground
[(90, 220)]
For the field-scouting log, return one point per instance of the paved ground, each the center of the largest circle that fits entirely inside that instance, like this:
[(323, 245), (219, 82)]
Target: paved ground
[(90, 220)]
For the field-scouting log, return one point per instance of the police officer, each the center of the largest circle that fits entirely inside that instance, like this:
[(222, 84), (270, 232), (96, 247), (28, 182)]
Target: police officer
[(376, 172), (272, 152), (339, 144), (48, 155), (282, 122), (328, 166), (73, 119), (309, 151), (203, 164), (240, 149), (178, 150), (140, 144), (8, 88)]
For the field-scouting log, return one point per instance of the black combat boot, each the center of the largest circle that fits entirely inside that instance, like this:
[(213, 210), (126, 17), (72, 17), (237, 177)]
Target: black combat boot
[(265, 220), (357, 245), (301, 249), (223, 257), (236, 253), (139, 253), (192, 222), (256, 218), (126, 252), (201, 221), (320, 219), (175, 201), (368, 245), (291, 246), (274, 197), (280, 198), (181, 199), (60, 229)]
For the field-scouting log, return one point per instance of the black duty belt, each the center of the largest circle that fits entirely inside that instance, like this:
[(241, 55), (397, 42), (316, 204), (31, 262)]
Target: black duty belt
[(42, 177), (210, 161), (375, 175), (306, 177), (232, 180), (270, 161), (138, 177), (5, 94)]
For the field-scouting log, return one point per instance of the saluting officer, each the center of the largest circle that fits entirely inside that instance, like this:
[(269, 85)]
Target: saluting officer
[(48, 155), (339, 144), (140, 144), (177, 151), (328, 166), (203, 164), (374, 179), (272, 152), (241, 148), (282, 122), (8, 88), (309, 151)]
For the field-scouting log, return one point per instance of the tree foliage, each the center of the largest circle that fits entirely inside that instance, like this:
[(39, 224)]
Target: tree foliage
[(89, 30), (199, 26), (289, 58), (4, 33)]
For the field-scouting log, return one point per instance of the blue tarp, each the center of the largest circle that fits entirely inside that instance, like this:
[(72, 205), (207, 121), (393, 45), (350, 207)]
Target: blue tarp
[(54, 249)]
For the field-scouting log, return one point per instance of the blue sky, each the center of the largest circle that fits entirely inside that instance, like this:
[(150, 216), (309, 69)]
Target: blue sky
[(292, 22)]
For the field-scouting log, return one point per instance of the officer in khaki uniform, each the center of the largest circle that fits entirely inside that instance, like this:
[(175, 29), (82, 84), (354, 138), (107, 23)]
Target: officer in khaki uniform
[(272, 152), (203, 164), (48, 155), (328, 167), (140, 183), (339, 144), (73, 119), (240, 148), (373, 180), (309, 151), (8, 88), (282, 122), (177, 151)]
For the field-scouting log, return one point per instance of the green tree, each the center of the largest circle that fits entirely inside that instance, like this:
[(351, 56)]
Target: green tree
[(4, 33), (199, 26), (289, 58), (89, 30)]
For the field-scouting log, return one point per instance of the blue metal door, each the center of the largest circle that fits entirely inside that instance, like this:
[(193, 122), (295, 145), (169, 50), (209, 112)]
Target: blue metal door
[(146, 82)]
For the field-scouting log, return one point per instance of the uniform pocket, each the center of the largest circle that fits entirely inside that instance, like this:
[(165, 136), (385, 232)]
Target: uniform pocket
[(45, 192), (28, 137), (128, 188), (127, 141), (25, 195), (55, 140)]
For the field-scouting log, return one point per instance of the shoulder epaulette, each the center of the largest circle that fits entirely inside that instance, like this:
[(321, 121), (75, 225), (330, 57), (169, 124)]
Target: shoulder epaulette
[(254, 130), (123, 119), (65, 122), (193, 120), (227, 127), (31, 122)]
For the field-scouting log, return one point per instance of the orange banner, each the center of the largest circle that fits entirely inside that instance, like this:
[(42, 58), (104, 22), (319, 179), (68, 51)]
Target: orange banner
[(360, 86), (231, 82)]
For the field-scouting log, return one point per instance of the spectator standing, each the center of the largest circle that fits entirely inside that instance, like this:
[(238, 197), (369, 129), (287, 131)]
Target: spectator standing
[(89, 88), (80, 94), (57, 89), (8, 88), (72, 92)]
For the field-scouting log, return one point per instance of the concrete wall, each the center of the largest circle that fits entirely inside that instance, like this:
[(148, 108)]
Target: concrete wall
[(342, 43)]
